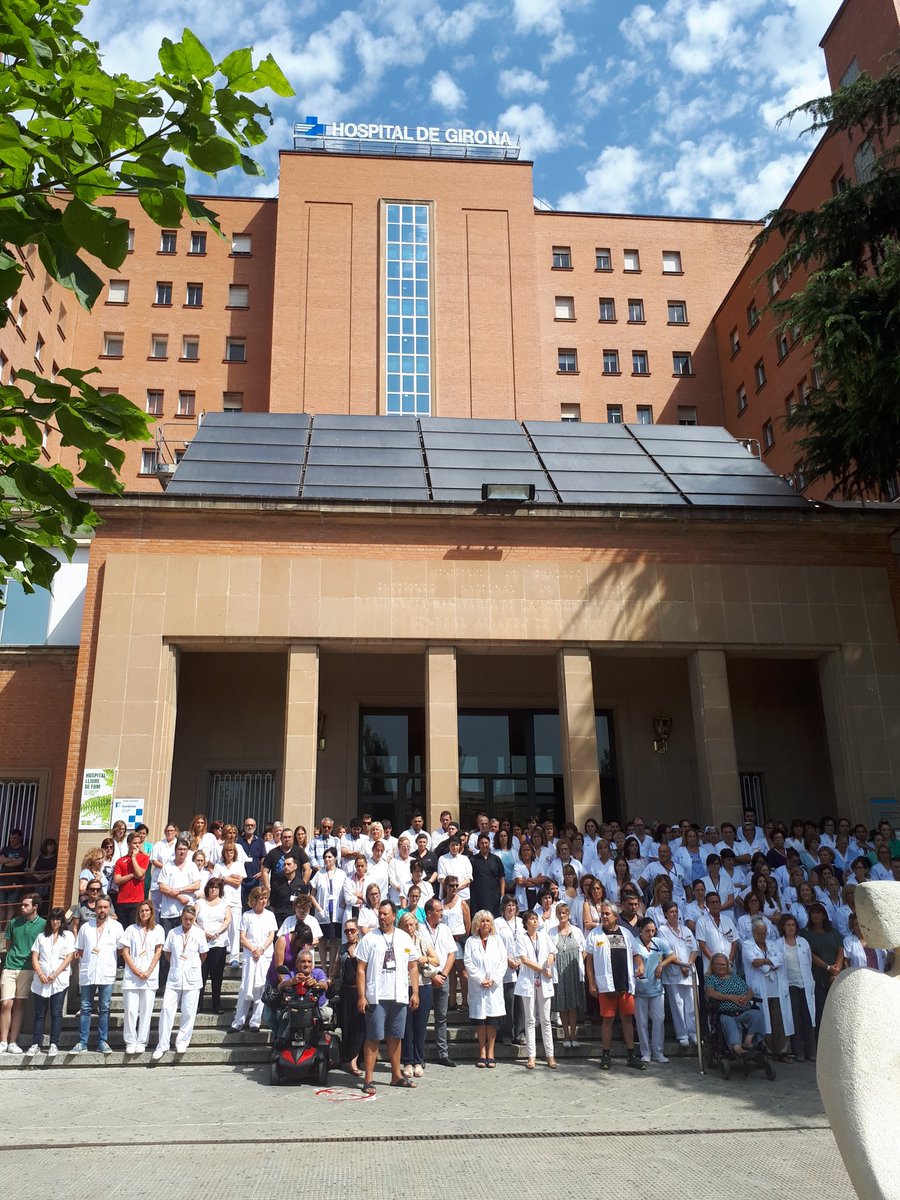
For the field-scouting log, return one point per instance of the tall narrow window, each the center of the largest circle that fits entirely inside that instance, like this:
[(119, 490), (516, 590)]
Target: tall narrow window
[(407, 282), (168, 241), (232, 402), (154, 402), (198, 242), (194, 295), (187, 402), (644, 414)]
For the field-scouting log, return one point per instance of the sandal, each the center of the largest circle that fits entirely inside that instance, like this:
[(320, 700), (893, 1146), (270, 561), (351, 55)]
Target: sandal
[(355, 1071), (491, 1062), (529, 1066), (368, 1089), (482, 1062), (403, 1081)]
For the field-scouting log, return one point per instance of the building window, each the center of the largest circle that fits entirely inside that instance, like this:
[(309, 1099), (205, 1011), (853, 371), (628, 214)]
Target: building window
[(768, 435), (752, 315), (640, 362), (677, 312), (839, 183), (241, 245), (232, 402), (194, 296), (803, 392), (168, 241), (567, 362), (190, 347), (21, 314), (611, 362), (113, 345), (570, 413), (155, 403), (672, 262), (687, 414), (636, 312), (62, 318), (159, 345), (741, 399), (148, 462), (799, 480), (54, 372), (238, 295), (783, 345), (38, 348), (562, 258), (408, 322), (118, 291), (163, 294), (790, 405), (187, 402), (198, 242), (604, 258), (4, 363), (759, 372), (850, 75), (644, 414), (631, 260), (235, 350), (25, 617), (565, 308), (130, 239), (614, 414), (681, 363), (864, 162), (46, 294), (607, 309), (734, 340)]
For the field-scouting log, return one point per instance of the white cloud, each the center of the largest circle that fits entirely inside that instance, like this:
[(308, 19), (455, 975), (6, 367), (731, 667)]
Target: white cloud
[(518, 79), (562, 46), (616, 182), (591, 90), (536, 129), (544, 16), (756, 196), (447, 93)]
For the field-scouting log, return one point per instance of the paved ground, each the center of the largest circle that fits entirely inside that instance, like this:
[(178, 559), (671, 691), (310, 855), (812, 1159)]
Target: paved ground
[(223, 1131)]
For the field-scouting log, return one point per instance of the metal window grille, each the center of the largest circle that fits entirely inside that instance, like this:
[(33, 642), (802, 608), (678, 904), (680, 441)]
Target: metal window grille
[(18, 806), (234, 795), (753, 793)]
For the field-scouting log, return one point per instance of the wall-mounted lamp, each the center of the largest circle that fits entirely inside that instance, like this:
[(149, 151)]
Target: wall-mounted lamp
[(320, 731), (508, 493), (662, 727)]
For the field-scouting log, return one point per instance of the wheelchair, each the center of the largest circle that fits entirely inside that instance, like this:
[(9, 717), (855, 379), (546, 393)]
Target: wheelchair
[(718, 1054), (305, 1045)]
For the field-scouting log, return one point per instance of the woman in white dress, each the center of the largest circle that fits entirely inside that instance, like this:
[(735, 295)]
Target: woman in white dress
[(536, 954), (201, 838), (368, 914), (486, 964), (51, 961), (141, 945), (214, 917), (231, 871), (258, 929)]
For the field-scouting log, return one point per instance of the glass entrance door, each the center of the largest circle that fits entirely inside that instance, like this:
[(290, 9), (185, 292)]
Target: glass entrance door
[(392, 757)]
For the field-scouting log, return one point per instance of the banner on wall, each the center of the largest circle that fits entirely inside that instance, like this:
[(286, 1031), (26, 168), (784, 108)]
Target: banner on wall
[(97, 798), (129, 811)]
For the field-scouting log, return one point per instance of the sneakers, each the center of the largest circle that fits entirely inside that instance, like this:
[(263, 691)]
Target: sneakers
[(78, 1048), (53, 1051), (4, 1046), (157, 1054), (14, 1048), (131, 1048), (645, 1058), (567, 1043), (104, 1048), (660, 1058), (635, 1061), (32, 1050), (574, 1043), (139, 1049), (180, 1049), (447, 1062), (605, 1062)]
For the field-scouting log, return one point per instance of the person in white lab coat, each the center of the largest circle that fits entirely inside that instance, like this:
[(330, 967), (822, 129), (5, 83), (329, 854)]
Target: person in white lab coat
[(610, 972), (801, 988), (259, 928), (857, 953), (765, 973), (536, 954), (141, 945), (186, 949), (678, 975), (51, 960), (486, 965)]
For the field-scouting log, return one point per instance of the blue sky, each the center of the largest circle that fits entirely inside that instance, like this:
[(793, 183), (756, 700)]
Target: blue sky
[(656, 106)]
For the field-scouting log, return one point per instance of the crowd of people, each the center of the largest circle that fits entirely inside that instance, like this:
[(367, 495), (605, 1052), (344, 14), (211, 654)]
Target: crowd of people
[(519, 927)]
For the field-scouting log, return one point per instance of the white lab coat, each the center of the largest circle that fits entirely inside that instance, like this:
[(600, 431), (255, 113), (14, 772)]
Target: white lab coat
[(757, 980), (809, 985), (855, 953), (538, 952), (488, 961), (597, 945)]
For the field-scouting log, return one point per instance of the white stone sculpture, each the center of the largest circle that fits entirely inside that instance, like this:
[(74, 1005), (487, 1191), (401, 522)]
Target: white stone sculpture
[(858, 1057)]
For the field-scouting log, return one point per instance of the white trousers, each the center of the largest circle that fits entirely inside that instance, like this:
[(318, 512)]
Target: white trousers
[(681, 1006), (138, 1007), (187, 1000), (537, 1010), (234, 933), (249, 996), (650, 1015)]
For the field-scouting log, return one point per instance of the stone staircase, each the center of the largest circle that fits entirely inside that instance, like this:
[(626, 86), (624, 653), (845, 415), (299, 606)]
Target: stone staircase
[(214, 1043)]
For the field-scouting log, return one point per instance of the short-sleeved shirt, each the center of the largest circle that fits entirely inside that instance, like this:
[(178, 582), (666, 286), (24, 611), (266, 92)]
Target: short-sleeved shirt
[(274, 860), (825, 944), (731, 985), (185, 964), (21, 852), (131, 892), (619, 949), (22, 934)]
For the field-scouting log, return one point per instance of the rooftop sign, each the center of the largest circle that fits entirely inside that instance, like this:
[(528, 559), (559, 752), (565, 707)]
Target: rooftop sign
[(367, 137)]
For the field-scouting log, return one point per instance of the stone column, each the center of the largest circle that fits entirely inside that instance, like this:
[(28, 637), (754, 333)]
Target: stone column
[(843, 748), (578, 735), (441, 734), (720, 789), (301, 736)]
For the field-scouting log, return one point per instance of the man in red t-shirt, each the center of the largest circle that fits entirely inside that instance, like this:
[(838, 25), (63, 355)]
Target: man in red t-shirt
[(128, 876)]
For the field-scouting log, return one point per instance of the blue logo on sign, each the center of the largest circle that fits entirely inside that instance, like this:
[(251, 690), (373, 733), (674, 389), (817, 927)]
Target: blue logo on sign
[(311, 127)]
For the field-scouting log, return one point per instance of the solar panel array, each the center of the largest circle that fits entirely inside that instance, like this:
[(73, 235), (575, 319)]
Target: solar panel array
[(294, 456)]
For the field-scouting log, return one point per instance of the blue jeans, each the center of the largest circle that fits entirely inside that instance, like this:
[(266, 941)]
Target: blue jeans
[(41, 1004), (104, 998), (416, 1024), (747, 1022)]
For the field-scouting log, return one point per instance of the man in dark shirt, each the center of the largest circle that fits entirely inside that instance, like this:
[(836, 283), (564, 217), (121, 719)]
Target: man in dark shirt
[(273, 863), (255, 849), (422, 854), (442, 848), (488, 879), (286, 887)]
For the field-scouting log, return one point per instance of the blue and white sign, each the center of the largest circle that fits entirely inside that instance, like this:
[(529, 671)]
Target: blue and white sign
[(379, 137)]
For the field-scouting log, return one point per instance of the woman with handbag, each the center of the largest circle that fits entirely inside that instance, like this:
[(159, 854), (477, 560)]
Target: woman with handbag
[(413, 1048), (352, 1021)]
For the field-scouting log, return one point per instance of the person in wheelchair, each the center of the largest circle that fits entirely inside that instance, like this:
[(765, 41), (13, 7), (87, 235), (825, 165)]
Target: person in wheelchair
[(306, 986), (742, 1023)]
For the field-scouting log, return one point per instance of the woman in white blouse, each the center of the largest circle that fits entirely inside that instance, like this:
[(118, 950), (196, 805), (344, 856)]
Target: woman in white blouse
[(536, 954), (231, 871), (857, 953), (486, 964), (214, 917), (51, 961), (258, 930), (328, 900), (141, 945)]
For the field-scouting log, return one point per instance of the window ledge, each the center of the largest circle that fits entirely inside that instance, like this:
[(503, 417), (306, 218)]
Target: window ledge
[(759, 387), (735, 352), (684, 374), (157, 358), (192, 306), (607, 320), (182, 359), (680, 324), (240, 362), (565, 320), (631, 271), (673, 272), (166, 253), (184, 416), (240, 254), (603, 270), (21, 332), (246, 307), (47, 304), (608, 373), (641, 374), (642, 321), (161, 304), (116, 303), (108, 356), (196, 254)]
